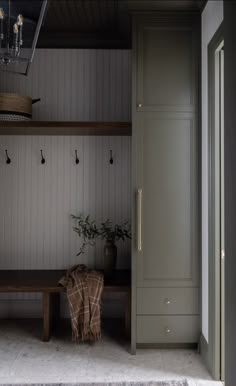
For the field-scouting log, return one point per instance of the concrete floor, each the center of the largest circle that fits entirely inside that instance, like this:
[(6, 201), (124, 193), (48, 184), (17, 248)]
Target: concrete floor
[(25, 359)]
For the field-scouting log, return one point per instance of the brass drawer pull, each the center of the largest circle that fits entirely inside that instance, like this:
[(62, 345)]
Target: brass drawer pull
[(167, 301), (167, 330)]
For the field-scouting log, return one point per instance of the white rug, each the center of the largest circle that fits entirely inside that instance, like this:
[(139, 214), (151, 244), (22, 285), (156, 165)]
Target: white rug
[(166, 383)]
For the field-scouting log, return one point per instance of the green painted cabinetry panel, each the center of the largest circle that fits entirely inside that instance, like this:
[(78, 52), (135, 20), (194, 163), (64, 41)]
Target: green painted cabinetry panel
[(165, 135), (168, 301), (168, 329), (166, 66), (166, 173)]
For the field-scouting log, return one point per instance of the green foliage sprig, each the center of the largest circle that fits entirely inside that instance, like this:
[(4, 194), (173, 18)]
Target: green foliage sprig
[(89, 232), (115, 232)]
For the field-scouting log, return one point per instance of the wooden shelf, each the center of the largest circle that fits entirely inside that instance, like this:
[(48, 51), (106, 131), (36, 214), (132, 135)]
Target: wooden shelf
[(65, 128)]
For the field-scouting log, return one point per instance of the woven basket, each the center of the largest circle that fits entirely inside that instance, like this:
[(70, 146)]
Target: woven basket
[(15, 107)]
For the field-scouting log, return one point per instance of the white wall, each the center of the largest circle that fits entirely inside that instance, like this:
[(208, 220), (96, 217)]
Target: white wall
[(212, 17), (76, 85), (36, 200)]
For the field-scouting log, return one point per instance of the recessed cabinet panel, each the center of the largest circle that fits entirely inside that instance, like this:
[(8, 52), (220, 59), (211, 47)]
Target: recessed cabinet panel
[(168, 329), (167, 174), (166, 69), (167, 301)]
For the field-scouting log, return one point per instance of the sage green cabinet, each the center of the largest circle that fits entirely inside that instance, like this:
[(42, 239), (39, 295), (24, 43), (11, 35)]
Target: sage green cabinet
[(166, 64), (168, 301), (167, 174), (168, 329), (165, 257)]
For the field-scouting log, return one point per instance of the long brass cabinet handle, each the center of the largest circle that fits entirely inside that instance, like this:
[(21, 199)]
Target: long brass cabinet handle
[(139, 218)]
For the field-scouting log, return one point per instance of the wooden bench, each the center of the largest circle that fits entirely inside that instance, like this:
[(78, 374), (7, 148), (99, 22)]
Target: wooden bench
[(46, 282)]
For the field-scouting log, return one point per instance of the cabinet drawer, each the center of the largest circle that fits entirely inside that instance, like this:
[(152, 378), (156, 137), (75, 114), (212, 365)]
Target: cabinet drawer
[(167, 301), (168, 329)]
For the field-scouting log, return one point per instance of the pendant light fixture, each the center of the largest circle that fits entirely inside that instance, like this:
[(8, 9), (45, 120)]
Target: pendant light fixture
[(14, 57)]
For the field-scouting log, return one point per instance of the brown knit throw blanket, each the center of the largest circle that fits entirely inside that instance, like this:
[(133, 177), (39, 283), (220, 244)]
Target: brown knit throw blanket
[(84, 289)]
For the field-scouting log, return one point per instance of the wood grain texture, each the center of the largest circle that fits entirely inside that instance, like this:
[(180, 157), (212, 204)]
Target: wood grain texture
[(47, 316), (47, 281), (65, 128)]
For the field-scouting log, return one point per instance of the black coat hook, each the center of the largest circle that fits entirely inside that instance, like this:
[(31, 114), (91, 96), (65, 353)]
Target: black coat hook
[(42, 157), (76, 157), (8, 159), (111, 158)]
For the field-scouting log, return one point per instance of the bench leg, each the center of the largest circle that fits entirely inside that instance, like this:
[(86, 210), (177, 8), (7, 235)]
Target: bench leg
[(128, 315), (51, 311), (46, 317)]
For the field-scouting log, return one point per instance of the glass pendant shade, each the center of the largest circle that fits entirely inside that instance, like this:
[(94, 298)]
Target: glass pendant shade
[(20, 23)]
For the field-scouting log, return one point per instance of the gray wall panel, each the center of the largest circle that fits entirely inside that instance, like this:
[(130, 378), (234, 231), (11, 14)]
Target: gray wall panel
[(76, 85), (36, 200)]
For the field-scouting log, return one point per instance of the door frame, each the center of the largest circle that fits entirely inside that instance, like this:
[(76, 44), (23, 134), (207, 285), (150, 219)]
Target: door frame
[(214, 219)]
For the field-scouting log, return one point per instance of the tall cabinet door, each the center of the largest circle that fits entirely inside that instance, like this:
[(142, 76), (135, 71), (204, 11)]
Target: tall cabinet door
[(166, 64), (166, 176), (165, 184)]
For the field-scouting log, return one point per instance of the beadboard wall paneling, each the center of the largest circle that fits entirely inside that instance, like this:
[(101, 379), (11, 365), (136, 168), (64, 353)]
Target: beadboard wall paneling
[(36, 200), (76, 84)]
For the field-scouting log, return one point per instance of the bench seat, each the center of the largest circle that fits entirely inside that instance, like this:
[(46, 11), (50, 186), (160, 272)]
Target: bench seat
[(46, 282)]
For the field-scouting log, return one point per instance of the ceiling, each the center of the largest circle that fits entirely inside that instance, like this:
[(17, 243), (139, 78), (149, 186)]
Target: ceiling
[(99, 23)]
